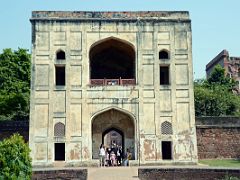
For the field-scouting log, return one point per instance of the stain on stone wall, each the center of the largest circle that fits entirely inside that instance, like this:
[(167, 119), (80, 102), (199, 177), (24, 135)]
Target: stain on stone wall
[(85, 153), (149, 150)]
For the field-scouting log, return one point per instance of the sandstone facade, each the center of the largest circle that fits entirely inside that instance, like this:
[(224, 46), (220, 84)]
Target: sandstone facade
[(99, 72)]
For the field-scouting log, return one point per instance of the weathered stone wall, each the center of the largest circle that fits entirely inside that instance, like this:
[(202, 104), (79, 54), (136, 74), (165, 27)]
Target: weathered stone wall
[(186, 173), (218, 137), (80, 174), (147, 102)]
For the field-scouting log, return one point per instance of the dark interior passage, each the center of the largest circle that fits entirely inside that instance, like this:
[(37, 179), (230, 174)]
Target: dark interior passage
[(112, 59), (60, 75), (164, 75), (59, 151), (166, 150)]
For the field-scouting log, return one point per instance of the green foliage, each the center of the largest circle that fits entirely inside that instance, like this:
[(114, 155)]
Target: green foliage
[(15, 161), (14, 84), (214, 97), (218, 77), (227, 177), (221, 162)]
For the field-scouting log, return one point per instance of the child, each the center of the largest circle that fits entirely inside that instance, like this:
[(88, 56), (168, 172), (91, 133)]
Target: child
[(113, 159)]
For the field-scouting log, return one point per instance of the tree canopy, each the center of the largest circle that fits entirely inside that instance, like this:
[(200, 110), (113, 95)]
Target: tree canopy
[(14, 84), (15, 161), (214, 96)]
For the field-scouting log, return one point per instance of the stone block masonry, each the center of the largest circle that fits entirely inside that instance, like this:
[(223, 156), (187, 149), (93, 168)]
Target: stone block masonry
[(218, 137)]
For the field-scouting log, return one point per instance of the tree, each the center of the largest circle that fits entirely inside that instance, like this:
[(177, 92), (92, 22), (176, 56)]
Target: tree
[(14, 84), (215, 101), (218, 77), (15, 161), (214, 97)]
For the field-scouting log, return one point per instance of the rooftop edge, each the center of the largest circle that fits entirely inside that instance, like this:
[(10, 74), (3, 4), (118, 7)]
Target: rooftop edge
[(110, 14)]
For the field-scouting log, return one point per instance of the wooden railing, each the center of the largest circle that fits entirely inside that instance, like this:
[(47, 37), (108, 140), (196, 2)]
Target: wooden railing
[(112, 82)]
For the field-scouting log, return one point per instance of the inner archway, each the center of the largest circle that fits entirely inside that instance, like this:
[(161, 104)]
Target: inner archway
[(113, 126), (112, 59), (113, 137)]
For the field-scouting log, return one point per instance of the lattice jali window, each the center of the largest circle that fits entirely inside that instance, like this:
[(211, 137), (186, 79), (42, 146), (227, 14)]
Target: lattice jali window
[(59, 129), (166, 128)]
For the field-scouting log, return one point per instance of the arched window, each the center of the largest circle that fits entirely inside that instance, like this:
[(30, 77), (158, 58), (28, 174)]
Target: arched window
[(60, 55), (112, 62), (166, 128), (59, 129), (163, 54)]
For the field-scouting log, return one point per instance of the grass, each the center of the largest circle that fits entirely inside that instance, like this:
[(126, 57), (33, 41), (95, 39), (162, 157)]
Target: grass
[(221, 162)]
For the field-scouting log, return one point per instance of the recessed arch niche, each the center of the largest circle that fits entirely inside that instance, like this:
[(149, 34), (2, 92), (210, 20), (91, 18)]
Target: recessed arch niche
[(112, 58)]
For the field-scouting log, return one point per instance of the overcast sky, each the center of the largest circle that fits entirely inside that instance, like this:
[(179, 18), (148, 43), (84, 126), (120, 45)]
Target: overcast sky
[(215, 23)]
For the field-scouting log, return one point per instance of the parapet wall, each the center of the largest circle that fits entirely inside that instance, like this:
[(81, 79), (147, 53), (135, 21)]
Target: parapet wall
[(8, 128), (110, 15), (209, 121)]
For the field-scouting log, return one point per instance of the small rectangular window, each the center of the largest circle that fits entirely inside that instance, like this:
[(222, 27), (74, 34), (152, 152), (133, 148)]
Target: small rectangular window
[(60, 75), (59, 152), (166, 150), (164, 75)]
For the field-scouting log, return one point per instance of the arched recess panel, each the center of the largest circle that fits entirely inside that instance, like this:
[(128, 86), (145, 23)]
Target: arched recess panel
[(112, 58)]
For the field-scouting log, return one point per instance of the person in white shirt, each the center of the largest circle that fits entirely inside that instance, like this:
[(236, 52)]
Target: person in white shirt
[(102, 155)]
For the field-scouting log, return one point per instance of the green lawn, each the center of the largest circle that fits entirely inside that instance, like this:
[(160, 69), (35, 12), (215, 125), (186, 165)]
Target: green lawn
[(221, 162)]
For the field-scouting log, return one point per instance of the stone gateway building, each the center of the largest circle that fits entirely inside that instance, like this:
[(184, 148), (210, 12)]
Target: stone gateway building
[(117, 78)]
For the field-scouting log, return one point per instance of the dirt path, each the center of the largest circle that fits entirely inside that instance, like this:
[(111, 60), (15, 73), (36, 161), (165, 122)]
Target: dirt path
[(113, 173)]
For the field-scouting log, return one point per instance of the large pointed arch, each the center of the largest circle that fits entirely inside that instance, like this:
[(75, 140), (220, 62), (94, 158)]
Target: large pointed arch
[(114, 118), (114, 108), (112, 58), (112, 41)]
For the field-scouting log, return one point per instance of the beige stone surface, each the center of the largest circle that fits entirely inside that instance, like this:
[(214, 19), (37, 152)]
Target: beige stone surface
[(113, 173), (136, 110)]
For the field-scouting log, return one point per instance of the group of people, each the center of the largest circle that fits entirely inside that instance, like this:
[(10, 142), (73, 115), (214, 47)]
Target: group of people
[(113, 156)]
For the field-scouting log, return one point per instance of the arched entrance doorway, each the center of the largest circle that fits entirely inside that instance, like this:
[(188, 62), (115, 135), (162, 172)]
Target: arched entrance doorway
[(113, 127)]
